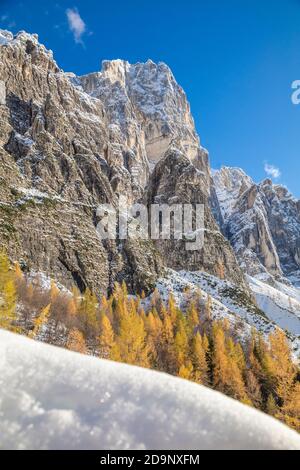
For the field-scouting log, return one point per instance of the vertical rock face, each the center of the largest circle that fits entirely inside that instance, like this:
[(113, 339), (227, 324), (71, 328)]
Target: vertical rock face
[(284, 221), (230, 184), (144, 100), (55, 170), (69, 143), (262, 221), (146, 104), (175, 180), (2, 94)]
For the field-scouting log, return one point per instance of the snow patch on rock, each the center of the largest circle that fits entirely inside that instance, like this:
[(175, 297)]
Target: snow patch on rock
[(2, 93), (281, 303)]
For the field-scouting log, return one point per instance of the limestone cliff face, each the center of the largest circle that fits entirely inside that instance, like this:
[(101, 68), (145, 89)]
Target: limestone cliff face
[(175, 180), (55, 170), (69, 143), (150, 110), (284, 221), (146, 107), (262, 222)]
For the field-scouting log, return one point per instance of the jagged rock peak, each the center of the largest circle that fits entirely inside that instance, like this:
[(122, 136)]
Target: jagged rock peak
[(147, 93), (23, 39), (68, 144), (230, 176), (262, 221)]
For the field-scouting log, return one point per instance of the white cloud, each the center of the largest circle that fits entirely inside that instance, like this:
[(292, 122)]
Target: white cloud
[(272, 171), (76, 24)]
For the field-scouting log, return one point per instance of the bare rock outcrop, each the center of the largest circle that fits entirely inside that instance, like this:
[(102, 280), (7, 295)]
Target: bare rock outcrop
[(55, 171), (262, 222), (175, 180)]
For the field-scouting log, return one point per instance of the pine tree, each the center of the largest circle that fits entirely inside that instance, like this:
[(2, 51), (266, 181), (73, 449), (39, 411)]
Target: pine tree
[(71, 307), (186, 371), (18, 272), (5, 273), (240, 358), (106, 339), (208, 307), (219, 359), (257, 356), (192, 319), (54, 292), (253, 389), (40, 322), (104, 304), (7, 294), (152, 325), (88, 312), (280, 365), (8, 306), (119, 306), (155, 299), (205, 343), (181, 345), (29, 293), (227, 376), (76, 296), (236, 371), (172, 309), (271, 406), (124, 290), (131, 341), (290, 411), (165, 348), (200, 366)]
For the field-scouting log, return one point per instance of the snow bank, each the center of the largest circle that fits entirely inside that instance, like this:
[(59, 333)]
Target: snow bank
[(54, 399)]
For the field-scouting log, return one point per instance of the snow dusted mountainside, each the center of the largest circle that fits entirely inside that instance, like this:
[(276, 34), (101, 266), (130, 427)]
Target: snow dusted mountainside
[(262, 222), (280, 302), (230, 184), (68, 144), (146, 97), (55, 399), (267, 308)]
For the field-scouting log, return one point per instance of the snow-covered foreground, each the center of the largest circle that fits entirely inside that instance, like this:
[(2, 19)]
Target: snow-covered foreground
[(51, 398)]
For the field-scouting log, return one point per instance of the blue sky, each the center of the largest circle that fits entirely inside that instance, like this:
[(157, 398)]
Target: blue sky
[(236, 60)]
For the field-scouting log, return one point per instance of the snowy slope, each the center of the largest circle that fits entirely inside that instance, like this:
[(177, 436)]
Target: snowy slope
[(53, 399), (230, 184), (262, 222), (230, 302)]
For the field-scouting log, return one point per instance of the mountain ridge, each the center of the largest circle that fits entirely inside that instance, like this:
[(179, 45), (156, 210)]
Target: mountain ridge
[(68, 144), (261, 220), (79, 151)]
